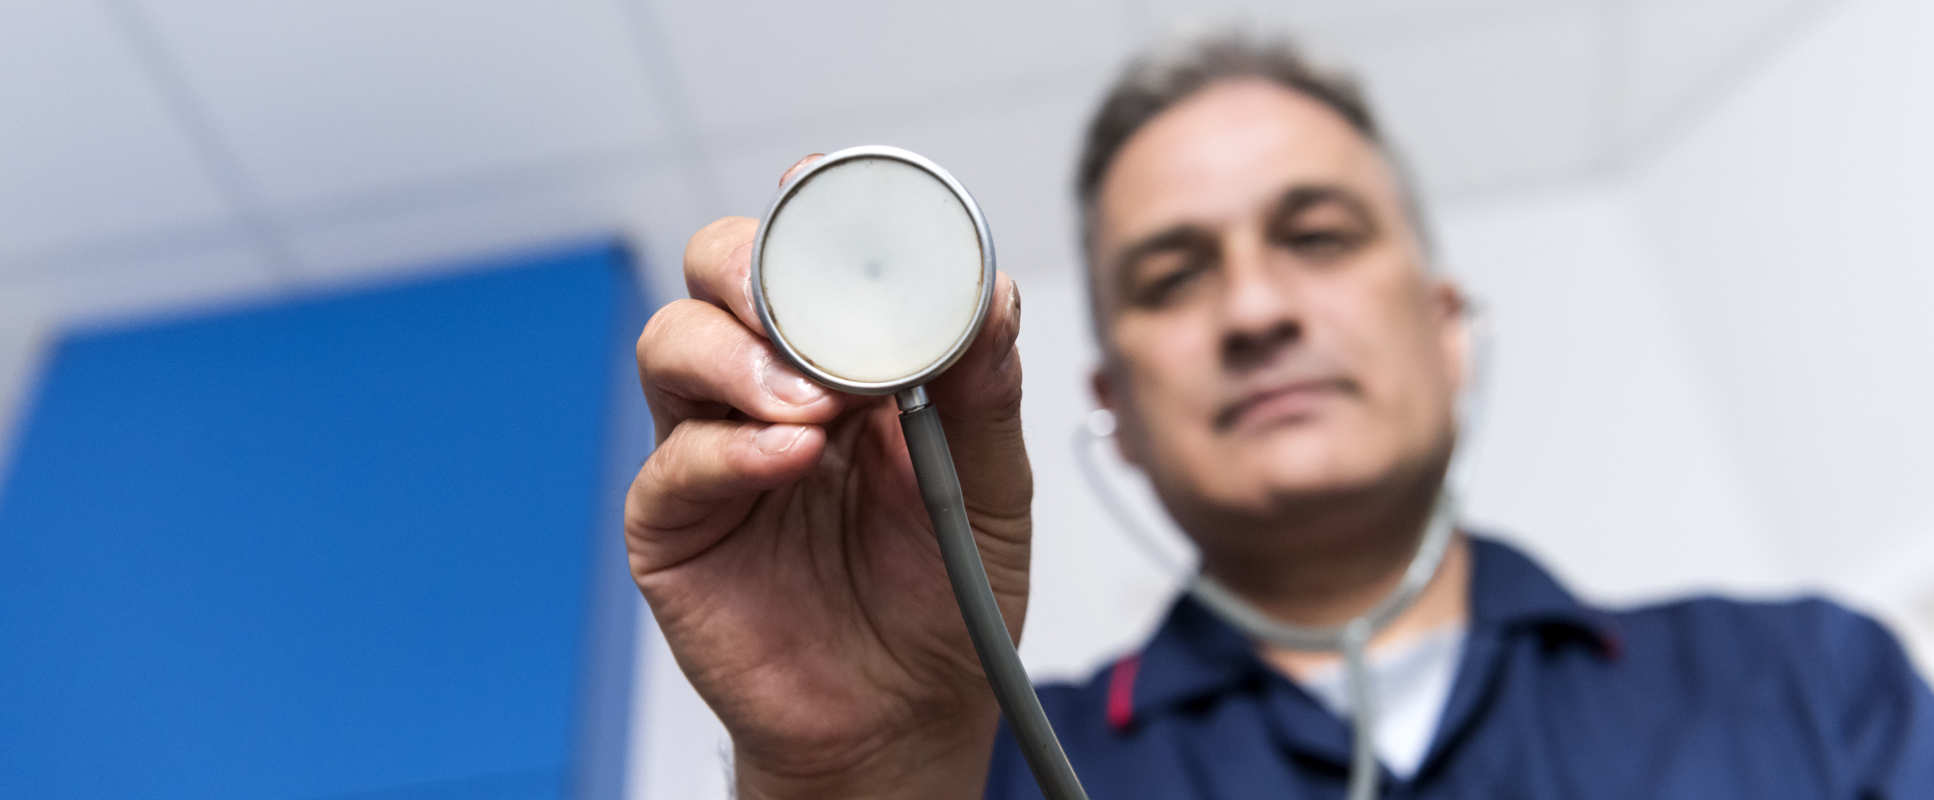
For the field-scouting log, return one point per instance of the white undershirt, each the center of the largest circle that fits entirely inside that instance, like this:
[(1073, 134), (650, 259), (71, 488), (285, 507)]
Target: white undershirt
[(1410, 681)]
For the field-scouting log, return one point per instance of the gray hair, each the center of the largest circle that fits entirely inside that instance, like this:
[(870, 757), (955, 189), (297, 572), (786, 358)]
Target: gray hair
[(1164, 75)]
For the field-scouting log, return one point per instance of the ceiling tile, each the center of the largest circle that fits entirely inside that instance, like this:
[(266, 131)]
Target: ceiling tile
[(1345, 17), (1680, 50), (1015, 153), (195, 273), (1480, 93), (662, 213), (88, 148), (647, 200), (791, 61), (323, 99), (1482, 106), (1467, 101)]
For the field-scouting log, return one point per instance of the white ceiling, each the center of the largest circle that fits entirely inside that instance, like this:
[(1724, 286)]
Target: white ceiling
[(89, 150), (162, 151)]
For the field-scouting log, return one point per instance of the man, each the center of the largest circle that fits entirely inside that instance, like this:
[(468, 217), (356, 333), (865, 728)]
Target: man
[(1283, 364)]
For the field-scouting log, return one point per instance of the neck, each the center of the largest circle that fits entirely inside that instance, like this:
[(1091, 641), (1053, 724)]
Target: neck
[(1341, 567)]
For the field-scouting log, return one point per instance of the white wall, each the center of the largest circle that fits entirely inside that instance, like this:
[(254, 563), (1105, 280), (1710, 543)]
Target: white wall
[(1594, 441), (1789, 222)]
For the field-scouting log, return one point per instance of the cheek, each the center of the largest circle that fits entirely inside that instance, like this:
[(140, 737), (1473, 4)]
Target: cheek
[(1171, 370), (1168, 359), (1404, 369), (1381, 328)]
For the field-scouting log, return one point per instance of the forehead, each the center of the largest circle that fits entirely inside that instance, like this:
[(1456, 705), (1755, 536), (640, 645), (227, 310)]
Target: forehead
[(1226, 153)]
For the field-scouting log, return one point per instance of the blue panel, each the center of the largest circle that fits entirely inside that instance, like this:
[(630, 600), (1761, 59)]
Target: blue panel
[(322, 548)]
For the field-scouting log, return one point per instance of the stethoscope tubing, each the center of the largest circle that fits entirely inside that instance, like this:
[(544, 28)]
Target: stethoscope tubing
[(933, 467), (1351, 639)]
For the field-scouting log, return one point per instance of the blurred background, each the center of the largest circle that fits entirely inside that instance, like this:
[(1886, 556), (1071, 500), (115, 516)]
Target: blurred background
[(315, 403)]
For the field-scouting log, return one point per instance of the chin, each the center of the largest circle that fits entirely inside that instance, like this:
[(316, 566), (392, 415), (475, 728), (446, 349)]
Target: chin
[(1292, 468)]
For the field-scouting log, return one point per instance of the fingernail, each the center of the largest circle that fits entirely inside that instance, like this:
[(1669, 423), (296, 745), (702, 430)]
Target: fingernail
[(799, 165), (1010, 349), (777, 439), (745, 285), (1013, 313), (790, 386)]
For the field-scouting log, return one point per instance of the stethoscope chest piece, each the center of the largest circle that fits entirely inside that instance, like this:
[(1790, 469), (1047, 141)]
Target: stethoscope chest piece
[(872, 270)]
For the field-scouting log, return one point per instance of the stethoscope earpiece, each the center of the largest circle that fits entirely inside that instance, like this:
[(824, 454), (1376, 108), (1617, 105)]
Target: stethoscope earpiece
[(1100, 423)]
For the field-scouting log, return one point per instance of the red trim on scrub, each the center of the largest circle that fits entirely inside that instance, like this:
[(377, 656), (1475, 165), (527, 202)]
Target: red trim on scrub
[(1612, 645), (1121, 692)]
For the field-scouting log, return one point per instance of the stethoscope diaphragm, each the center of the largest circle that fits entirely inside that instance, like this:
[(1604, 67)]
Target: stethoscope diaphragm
[(872, 270)]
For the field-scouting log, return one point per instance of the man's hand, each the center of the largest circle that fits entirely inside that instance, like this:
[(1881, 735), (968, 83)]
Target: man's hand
[(779, 537)]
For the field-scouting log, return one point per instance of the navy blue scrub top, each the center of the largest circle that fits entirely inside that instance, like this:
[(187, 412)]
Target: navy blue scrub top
[(1702, 698)]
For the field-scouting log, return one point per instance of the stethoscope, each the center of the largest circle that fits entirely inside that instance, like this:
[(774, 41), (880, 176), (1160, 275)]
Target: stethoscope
[(1351, 638), (872, 271)]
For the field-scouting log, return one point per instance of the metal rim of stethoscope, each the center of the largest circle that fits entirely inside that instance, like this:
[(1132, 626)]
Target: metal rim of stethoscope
[(953, 353)]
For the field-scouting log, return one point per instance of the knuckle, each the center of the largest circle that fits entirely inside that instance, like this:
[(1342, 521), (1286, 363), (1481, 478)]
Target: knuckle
[(745, 355), (695, 455), (634, 512), (648, 337), (662, 330), (1005, 389), (713, 242), (743, 369), (661, 469), (700, 244)]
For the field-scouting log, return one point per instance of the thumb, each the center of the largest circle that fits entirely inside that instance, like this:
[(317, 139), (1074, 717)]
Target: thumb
[(979, 401)]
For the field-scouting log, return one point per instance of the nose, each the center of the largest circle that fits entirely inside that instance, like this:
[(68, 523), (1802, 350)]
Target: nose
[(1261, 313)]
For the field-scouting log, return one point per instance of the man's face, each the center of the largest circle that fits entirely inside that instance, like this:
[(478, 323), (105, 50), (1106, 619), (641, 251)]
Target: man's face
[(1272, 340)]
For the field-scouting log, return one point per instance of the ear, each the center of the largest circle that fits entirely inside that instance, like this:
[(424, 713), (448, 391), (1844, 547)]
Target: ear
[(1101, 382), (1456, 334)]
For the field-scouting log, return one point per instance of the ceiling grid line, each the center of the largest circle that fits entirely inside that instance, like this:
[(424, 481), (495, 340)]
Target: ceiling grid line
[(428, 192), (712, 154), (223, 167), (1140, 18), (1618, 36), (1321, 36), (909, 111), (176, 240), (1703, 97), (685, 140)]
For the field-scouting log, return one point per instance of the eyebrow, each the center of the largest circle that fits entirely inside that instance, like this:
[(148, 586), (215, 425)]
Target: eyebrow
[(1184, 236), (1305, 196), (1188, 235)]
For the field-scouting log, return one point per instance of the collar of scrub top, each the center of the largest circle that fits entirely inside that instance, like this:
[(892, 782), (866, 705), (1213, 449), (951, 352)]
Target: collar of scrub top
[(1195, 655)]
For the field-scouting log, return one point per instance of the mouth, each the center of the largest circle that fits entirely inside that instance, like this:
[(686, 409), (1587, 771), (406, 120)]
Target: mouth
[(1280, 403)]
